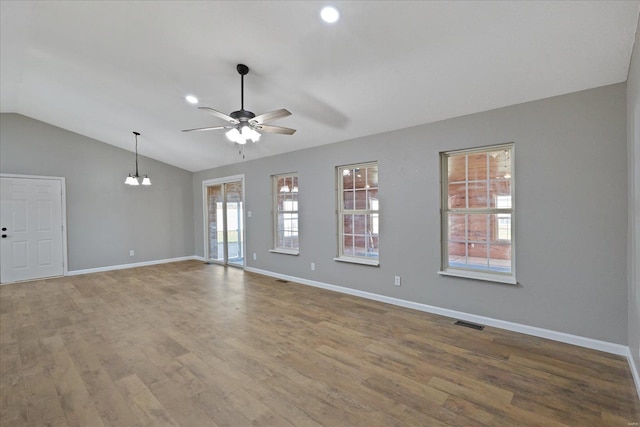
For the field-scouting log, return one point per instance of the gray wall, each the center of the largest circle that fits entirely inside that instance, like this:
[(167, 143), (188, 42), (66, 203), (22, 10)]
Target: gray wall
[(105, 217), (571, 201), (633, 138)]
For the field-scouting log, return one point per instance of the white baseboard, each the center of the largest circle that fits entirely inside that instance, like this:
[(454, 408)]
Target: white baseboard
[(132, 265), (634, 371), (607, 347)]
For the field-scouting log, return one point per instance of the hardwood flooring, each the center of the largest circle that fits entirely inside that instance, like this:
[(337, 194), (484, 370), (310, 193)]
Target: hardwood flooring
[(190, 344)]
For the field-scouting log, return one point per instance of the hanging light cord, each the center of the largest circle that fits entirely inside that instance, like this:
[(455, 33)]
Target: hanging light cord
[(136, 134)]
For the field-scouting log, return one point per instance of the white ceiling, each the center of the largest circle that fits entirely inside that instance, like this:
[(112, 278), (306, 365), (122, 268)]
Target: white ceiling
[(106, 68)]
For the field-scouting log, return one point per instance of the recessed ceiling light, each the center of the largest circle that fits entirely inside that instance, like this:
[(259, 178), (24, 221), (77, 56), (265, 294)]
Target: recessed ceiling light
[(191, 99), (329, 14)]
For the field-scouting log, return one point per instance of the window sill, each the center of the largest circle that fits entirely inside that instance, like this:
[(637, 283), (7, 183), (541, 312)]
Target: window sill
[(285, 251), (487, 277), (363, 261)]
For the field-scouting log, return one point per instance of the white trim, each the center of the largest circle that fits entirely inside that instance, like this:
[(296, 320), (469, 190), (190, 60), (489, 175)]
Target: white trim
[(364, 261), (634, 371), (285, 251), (63, 197), (605, 346), (488, 277), (132, 265)]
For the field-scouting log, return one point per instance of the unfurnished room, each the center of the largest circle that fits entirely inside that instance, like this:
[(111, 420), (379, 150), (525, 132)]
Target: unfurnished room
[(316, 213)]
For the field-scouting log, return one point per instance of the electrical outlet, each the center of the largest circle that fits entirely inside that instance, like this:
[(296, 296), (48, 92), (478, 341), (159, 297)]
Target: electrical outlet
[(131, 252), (397, 281), (255, 257), (313, 266), (248, 214)]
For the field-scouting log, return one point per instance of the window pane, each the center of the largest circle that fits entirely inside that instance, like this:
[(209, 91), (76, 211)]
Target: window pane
[(500, 194), (360, 246), (359, 224), (361, 199), (375, 226), (360, 178), (457, 227), (477, 256), (477, 227), (372, 177), (456, 167), (500, 164), (372, 200), (478, 195), (347, 224), (347, 179), (348, 245), (477, 167), (501, 225), (500, 259), (348, 199), (457, 254), (457, 196)]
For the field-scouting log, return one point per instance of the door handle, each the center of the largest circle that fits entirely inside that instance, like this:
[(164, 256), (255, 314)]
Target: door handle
[(4, 228), (4, 236)]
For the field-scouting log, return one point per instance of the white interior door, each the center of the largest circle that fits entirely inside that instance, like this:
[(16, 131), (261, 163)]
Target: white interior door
[(32, 229)]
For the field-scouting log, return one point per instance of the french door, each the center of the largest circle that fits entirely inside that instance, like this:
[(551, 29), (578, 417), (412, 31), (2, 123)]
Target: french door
[(32, 222), (224, 220)]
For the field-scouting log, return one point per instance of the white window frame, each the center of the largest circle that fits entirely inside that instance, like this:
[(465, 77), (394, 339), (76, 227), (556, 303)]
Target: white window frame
[(275, 191), (446, 270), (341, 211)]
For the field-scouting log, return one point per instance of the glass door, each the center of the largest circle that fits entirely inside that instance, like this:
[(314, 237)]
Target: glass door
[(225, 222), (234, 225), (215, 221)]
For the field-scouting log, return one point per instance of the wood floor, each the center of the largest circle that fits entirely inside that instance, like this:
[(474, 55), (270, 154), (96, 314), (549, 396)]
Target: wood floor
[(191, 344)]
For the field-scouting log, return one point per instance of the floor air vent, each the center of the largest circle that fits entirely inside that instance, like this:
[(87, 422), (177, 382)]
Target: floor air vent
[(469, 325)]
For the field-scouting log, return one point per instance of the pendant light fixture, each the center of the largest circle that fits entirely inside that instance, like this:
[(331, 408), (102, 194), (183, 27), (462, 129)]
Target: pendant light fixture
[(134, 179)]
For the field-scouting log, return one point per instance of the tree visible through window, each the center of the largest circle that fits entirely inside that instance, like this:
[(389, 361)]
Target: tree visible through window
[(358, 213), (477, 211)]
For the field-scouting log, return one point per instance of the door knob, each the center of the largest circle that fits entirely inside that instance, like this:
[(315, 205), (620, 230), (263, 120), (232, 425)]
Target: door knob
[(4, 228), (4, 236)]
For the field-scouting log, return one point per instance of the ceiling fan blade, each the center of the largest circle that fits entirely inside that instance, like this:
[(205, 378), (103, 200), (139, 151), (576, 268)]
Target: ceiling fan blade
[(270, 116), (220, 115), (275, 129), (208, 128)]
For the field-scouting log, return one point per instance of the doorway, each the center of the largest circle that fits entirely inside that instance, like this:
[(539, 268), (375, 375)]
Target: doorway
[(224, 220), (32, 218)]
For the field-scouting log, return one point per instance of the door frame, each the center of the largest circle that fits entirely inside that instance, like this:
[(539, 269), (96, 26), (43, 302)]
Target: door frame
[(63, 203), (217, 181)]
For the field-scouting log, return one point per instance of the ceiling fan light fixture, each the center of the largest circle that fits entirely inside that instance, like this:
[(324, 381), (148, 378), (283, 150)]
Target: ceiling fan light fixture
[(244, 125), (248, 133)]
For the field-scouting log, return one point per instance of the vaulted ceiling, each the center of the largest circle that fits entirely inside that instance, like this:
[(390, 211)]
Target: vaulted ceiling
[(106, 68)]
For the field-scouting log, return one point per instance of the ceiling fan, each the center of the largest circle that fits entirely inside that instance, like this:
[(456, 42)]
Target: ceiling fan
[(244, 125)]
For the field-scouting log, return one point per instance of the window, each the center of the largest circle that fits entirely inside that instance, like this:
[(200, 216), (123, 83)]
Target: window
[(285, 198), (358, 213), (478, 213)]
